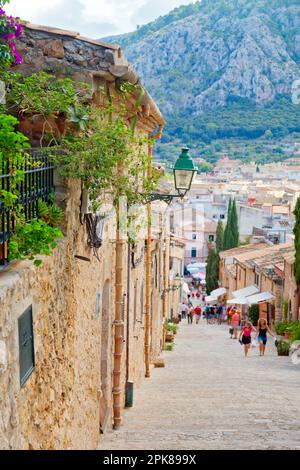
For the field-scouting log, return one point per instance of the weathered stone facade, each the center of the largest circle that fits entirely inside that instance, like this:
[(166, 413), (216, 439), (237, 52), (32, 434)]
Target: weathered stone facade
[(290, 288), (61, 396), (69, 395)]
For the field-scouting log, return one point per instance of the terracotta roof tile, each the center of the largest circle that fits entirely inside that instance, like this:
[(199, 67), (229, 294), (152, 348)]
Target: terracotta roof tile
[(243, 249)]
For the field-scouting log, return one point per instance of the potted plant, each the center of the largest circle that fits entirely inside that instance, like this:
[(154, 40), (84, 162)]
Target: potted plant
[(171, 327), (169, 346), (169, 336), (280, 328), (283, 347)]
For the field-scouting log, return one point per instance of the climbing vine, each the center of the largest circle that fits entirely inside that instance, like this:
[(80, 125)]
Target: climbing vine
[(30, 238), (10, 29), (102, 148), (95, 158)]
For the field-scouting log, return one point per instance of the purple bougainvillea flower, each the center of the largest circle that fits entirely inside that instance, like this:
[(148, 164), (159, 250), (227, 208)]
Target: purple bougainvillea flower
[(19, 30), (12, 47), (11, 28), (18, 58)]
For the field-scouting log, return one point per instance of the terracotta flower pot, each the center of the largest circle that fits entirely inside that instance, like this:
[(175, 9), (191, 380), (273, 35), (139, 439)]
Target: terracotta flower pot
[(287, 334), (41, 130), (286, 353)]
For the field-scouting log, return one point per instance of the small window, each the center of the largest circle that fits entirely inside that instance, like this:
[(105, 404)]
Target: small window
[(211, 238), (256, 279), (172, 223), (215, 216), (26, 345), (222, 216), (194, 236), (194, 253)]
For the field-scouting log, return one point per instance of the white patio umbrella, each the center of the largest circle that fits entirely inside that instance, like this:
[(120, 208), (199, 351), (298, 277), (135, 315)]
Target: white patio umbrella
[(240, 301), (196, 265), (193, 270), (200, 276)]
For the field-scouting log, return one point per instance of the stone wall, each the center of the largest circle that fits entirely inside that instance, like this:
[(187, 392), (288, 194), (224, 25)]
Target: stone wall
[(64, 53), (69, 394), (290, 291), (58, 407)]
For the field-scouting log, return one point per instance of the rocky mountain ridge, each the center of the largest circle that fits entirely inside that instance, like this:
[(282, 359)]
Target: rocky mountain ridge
[(217, 54)]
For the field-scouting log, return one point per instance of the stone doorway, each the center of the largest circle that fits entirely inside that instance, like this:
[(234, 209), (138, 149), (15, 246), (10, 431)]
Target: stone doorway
[(105, 398)]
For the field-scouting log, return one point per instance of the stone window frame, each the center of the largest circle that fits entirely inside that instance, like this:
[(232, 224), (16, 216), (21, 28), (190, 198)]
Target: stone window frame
[(28, 371)]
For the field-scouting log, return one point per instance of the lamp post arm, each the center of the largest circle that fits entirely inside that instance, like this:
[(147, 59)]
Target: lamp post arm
[(167, 198)]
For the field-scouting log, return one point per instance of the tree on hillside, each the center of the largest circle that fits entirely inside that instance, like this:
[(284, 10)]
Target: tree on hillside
[(297, 249), (212, 271), (235, 225), (226, 240), (219, 237), (231, 232)]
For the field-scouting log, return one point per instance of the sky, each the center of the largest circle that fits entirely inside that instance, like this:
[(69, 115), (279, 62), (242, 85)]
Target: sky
[(93, 18)]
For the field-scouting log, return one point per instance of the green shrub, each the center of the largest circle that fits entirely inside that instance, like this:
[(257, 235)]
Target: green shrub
[(292, 327), (280, 328), (295, 333), (285, 309), (283, 346), (171, 327), (169, 346), (253, 314)]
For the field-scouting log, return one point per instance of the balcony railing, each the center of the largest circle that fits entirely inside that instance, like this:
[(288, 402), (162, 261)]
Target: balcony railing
[(38, 184)]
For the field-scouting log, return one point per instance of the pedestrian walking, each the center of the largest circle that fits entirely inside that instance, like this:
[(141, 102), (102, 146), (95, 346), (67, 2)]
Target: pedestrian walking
[(245, 336), (189, 301), (230, 311), (235, 321), (206, 312), (261, 335), (219, 314), (184, 310), (197, 312), (190, 315)]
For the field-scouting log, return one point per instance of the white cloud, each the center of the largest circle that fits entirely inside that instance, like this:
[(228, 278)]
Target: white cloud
[(93, 18)]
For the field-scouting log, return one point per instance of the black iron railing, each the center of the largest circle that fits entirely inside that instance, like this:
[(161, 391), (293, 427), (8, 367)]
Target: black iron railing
[(37, 185)]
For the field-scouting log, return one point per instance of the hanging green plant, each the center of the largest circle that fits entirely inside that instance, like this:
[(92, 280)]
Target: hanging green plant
[(38, 236), (48, 108), (95, 156), (33, 239)]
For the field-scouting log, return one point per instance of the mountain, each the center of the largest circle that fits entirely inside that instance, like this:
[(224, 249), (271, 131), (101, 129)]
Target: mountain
[(222, 69)]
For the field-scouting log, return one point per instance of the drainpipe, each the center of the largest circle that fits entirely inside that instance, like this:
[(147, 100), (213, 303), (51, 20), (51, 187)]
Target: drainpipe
[(148, 275), (166, 285), (147, 342), (129, 386), (119, 322)]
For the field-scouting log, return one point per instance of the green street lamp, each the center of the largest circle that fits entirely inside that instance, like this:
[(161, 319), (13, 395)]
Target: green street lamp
[(184, 171)]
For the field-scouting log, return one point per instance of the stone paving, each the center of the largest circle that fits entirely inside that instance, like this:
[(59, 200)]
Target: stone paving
[(209, 396)]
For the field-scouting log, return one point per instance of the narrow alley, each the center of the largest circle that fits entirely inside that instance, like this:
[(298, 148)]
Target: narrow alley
[(210, 397)]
